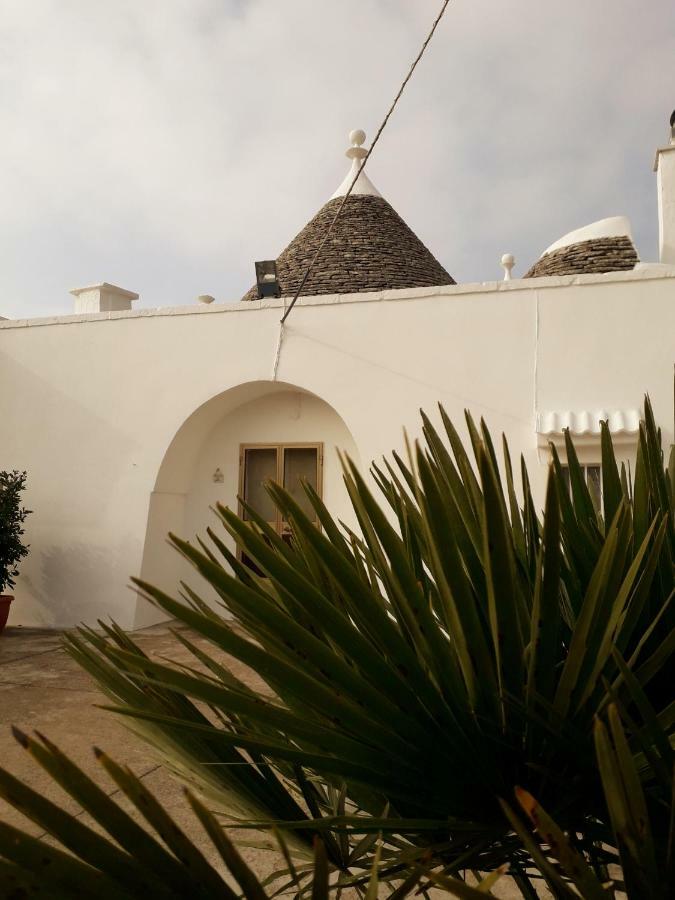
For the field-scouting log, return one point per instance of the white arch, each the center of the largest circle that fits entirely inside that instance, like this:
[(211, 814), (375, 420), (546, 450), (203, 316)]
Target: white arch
[(210, 436)]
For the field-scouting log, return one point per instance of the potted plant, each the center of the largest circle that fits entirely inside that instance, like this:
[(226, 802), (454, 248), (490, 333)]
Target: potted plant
[(12, 548)]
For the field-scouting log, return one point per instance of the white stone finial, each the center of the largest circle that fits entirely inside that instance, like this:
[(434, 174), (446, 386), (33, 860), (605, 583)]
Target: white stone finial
[(508, 262), (356, 139), (357, 153)]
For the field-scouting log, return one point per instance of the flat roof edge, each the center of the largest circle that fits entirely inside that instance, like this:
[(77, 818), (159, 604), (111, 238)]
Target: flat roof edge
[(398, 295)]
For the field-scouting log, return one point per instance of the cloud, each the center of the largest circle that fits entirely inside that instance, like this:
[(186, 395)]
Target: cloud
[(166, 145)]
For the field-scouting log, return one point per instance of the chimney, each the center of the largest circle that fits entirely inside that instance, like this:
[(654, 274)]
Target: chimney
[(102, 298), (665, 185)]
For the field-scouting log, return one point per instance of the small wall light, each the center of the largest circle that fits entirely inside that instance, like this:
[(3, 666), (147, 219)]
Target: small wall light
[(266, 278), (218, 477)]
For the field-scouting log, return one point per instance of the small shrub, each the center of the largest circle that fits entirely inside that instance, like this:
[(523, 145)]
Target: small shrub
[(12, 517)]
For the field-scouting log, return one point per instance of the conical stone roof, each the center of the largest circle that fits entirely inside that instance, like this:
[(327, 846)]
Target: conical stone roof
[(369, 249)]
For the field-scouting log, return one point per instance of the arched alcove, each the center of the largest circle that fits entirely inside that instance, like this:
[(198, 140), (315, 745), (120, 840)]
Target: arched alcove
[(202, 466)]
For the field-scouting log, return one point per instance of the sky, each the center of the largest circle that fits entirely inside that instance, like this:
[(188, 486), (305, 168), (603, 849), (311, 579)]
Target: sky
[(165, 145)]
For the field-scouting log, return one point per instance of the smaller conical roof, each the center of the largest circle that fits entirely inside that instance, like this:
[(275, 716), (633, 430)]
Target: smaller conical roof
[(603, 246), (370, 247)]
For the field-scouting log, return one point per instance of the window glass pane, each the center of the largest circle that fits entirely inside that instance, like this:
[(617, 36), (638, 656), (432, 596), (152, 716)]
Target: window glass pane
[(260, 465), (593, 482), (300, 464)]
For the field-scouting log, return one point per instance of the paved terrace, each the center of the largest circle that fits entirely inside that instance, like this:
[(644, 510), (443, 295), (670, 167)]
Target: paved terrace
[(43, 689)]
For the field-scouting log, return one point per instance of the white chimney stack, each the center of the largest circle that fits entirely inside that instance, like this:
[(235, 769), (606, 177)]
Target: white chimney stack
[(665, 185), (102, 298)]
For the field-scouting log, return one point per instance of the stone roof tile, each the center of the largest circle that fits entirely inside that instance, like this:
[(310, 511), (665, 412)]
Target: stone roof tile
[(605, 254)]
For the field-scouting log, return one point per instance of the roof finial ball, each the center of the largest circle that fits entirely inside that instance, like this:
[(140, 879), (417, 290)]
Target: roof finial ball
[(508, 262), (356, 139)]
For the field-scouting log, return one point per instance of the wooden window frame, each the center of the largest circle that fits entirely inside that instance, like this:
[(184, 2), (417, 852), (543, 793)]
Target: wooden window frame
[(280, 448)]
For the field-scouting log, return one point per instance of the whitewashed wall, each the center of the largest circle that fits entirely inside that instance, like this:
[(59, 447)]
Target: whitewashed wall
[(116, 415)]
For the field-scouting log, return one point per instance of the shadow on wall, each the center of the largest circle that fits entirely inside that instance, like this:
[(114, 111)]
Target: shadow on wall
[(71, 579), (78, 463)]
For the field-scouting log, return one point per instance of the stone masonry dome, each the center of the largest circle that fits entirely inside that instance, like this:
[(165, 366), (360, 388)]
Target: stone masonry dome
[(369, 249), (604, 246)]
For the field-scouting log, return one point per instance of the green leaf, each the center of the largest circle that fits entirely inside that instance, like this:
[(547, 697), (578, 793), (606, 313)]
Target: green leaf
[(129, 835), (204, 874), (249, 884), (506, 609), (93, 849), (545, 617), (67, 875), (572, 863), (612, 492), (320, 880)]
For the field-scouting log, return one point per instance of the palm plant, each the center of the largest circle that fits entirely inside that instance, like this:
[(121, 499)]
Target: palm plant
[(416, 671), (644, 863), (135, 862), (646, 849)]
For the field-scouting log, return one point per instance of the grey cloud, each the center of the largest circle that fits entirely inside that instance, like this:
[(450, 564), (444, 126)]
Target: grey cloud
[(167, 144)]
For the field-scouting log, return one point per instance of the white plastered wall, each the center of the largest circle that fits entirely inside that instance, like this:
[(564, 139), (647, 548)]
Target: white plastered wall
[(90, 405), (611, 352)]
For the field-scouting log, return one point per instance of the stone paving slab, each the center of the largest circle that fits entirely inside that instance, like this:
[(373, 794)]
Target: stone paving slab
[(43, 689), (22, 643)]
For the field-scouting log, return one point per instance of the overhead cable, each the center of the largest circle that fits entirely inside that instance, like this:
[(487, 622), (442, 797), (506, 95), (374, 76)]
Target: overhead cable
[(361, 168)]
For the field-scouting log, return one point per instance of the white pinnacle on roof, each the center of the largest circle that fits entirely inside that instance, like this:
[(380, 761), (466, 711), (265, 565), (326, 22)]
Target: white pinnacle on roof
[(363, 186)]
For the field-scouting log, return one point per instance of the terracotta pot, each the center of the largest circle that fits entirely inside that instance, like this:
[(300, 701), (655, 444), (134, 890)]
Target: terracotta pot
[(5, 601)]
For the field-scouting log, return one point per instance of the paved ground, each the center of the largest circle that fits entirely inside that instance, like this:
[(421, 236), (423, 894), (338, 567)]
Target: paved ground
[(42, 688)]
